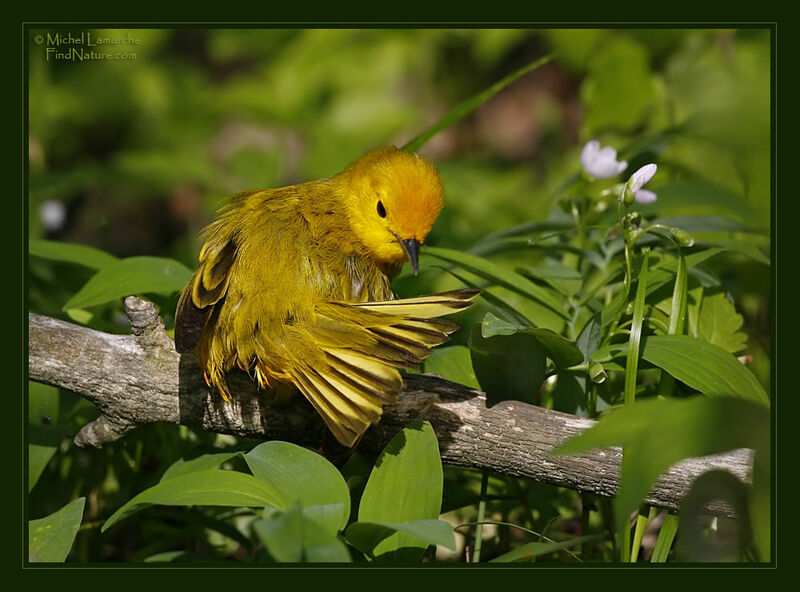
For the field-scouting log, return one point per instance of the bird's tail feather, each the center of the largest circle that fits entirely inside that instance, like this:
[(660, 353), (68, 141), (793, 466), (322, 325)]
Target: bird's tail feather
[(363, 344)]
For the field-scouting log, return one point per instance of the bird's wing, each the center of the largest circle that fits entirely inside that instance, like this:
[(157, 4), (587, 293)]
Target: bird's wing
[(363, 345), (206, 287)]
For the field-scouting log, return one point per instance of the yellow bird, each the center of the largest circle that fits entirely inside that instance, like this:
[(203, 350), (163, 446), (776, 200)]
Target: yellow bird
[(293, 287)]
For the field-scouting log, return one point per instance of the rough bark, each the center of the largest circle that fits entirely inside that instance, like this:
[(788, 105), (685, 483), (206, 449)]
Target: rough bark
[(139, 378)]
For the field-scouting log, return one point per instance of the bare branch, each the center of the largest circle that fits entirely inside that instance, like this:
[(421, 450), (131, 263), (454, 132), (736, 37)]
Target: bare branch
[(140, 378)]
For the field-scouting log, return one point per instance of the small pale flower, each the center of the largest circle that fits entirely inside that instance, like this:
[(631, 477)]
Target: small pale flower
[(641, 177), (633, 188), (643, 196), (599, 162)]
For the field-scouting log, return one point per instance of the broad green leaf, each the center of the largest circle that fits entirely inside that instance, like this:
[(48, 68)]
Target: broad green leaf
[(468, 106), (50, 539), (562, 351), (321, 546), (135, 275), (454, 364), (204, 462), (569, 396), (71, 253), (501, 275), (281, 532), (290, 536), (529, 551), (508, 367), (589, 338), (719, 323), (207, 488), (365, 536), (298, 474), (657, 433), (566, 280), (405, 486), (701, 365)]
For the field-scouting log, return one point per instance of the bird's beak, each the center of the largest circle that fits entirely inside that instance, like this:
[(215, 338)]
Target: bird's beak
[(411, 247)]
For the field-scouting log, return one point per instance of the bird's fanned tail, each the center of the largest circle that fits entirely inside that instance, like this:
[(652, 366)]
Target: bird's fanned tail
[(363, 346)]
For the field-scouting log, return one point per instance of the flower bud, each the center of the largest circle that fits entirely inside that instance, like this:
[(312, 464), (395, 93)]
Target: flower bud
[(684, 238), (597, 373)]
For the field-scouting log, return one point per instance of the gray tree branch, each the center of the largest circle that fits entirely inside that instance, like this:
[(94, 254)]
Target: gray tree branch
[(139, 378)]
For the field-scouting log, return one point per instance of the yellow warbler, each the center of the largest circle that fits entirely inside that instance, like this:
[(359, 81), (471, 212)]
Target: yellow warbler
[(293, 287)]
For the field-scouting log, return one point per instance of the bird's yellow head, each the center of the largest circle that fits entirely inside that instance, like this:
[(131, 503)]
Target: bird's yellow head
[(392, 199)]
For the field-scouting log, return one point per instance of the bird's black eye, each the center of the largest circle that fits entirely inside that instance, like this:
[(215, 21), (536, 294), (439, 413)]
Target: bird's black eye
[(381, 210)]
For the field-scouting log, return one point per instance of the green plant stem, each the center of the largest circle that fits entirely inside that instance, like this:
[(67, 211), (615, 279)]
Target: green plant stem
[(641, 525), (476, 550)]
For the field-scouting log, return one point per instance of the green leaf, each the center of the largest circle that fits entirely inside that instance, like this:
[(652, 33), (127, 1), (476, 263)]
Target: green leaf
[(632, 364), (569, 396), (290, 536), (719, 323), (703, 366), (205, 462), (365, 536), (589, 338), (135, 275), (566, 280), (700, 365), (511, 305), (208, 488), (44, 433), (499, 274), (663, 273), (454, 364), (530, 551), (50, 539), (405, 486), (468, 106), (562, 351), (71, 253), (282, 534), (508, 367), (657, 433), (666, 535), (298, 474)]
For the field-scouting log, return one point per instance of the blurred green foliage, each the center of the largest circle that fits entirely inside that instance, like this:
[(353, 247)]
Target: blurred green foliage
[(134, 156)]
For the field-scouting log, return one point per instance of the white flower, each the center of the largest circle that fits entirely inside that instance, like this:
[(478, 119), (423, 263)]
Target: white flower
[(633, 188), (601, 163), (643, 196), (641, 177), (52, 214)]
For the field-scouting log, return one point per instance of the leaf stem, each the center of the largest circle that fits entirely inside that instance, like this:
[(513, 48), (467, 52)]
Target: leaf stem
[(476, 551)]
